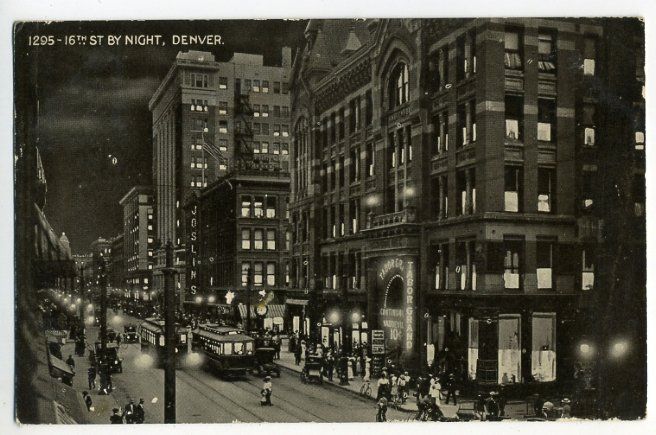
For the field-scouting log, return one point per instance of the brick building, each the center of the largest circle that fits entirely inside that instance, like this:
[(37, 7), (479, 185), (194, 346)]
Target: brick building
[(443, 187), (207, 117)]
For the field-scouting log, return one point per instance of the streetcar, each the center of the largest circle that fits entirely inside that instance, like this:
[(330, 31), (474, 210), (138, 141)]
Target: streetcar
[(151, 333), (227, 350)]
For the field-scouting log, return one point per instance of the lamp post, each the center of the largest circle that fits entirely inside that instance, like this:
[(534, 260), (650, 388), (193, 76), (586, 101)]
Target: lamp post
[(249, 289), (169, 334)]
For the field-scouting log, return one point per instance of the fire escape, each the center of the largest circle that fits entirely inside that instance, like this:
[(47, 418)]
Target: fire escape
[(243, 131)]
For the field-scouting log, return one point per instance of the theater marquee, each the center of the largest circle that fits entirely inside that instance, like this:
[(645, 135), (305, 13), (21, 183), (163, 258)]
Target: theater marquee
[(396, 284)]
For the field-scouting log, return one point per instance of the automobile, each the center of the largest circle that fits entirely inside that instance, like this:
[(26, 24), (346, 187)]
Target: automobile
[(130, 333), (111, 334), (264, 365), (110, 357), (313, 370)]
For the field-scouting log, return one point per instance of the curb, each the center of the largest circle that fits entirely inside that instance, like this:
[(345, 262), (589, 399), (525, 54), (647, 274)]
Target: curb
[(351, 392)]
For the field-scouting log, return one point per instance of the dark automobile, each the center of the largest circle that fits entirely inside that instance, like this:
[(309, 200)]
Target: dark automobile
[(264, 365), (110, 357), (111, 334), (130, 334), (313, 370)]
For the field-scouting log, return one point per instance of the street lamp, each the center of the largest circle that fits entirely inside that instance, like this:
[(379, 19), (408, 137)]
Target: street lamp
[(619, 348)]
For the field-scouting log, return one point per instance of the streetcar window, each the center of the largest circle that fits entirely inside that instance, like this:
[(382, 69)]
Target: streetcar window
[(239, 348), (249, 346), (227, 348)]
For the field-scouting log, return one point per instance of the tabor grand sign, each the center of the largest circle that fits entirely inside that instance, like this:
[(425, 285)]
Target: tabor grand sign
[(396, 282)]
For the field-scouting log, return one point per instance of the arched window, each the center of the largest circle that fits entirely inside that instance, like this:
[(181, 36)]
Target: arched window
[(399, 91)]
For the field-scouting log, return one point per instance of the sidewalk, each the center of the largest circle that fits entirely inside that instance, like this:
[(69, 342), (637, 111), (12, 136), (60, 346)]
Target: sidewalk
[(514, 409), (103, 404)]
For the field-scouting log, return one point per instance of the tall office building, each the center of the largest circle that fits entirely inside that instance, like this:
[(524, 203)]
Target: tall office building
[(211, 119)]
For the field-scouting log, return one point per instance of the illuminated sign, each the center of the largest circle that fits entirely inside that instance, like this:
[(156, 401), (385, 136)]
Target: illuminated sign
[(397, 312), (192, 251)]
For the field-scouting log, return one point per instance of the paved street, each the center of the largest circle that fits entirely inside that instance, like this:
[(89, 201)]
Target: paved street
[(203, 397)]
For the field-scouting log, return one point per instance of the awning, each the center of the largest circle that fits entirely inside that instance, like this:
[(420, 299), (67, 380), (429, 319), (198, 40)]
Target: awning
[(291, 301), (275, 310), (60, 365)]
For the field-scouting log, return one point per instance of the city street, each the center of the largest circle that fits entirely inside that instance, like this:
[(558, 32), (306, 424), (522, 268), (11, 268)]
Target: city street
[(203, 397)]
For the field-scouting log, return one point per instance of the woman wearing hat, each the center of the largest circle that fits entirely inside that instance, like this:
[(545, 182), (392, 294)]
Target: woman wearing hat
[(266, 391)]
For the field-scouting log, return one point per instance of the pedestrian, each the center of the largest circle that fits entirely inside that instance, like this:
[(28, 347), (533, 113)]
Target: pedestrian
[(115, 418), (435, 388), (381, 415), (118, 339), (276, 345), (87, 400), (566, 408), (267, 389), (129, 412), (451, 388), (501, 398), (394, 387), (492, 406), (403, 382), (71, 362), (383, 386), (140, 412), (330, 365), (91, 374), (297, 354)]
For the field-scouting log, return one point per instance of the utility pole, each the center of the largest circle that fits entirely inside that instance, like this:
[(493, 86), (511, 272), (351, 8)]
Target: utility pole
[(169, 334), (249, 289), (81, 307), (103, 307)]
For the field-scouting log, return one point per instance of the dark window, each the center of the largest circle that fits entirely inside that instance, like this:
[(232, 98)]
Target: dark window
[(546, 190), (370, 160), (369, 108), (460, 58), (513, 191), (547, 52), (514, 117), (340, 123), (354, 165), (546, 120)]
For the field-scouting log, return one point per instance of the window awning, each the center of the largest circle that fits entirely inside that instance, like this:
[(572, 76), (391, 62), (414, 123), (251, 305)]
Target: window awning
[(60, 365), (291, 301), (275, 310)]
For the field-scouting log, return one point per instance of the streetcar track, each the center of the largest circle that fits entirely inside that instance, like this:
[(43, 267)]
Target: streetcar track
[(280, 399), (199, 381)]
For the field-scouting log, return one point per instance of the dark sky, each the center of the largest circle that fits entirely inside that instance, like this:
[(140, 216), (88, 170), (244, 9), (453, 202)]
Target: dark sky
[(93, 103)]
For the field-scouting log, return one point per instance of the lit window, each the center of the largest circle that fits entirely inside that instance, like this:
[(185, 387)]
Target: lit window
[(245, 239), (271, 274), (223, 107), (223, 126), (512, 264), (265, 86), (257, 275), (223, 83), (259, 207), (256, 86), (546, 189), (514, 115), (513, 189), (512, 55), (258, 240), (544, 270), (546, 53), (271, 240)]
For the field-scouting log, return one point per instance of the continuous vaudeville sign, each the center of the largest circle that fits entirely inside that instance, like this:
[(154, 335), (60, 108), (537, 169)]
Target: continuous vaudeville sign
[(397, 312)]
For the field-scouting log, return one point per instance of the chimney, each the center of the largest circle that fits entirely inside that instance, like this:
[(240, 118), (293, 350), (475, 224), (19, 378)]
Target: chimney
[(286, 57)]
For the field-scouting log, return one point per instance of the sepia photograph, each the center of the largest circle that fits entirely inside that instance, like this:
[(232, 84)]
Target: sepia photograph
[(330, 220)]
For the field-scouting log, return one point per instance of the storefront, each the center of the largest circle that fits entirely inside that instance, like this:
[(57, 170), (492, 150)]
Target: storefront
[(297, 316), (512, 343)]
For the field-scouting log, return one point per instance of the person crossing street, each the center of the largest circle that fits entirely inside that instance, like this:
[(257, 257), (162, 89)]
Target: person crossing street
[(267, 389)]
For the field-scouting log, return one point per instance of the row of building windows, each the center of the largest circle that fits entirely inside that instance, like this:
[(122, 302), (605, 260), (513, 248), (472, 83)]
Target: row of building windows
[(333, 126), (263, 86), (506, 258), (276, 148), (342, 270), (263, 111), (335, 218), (258, 206), (261, 128), (264, 273)]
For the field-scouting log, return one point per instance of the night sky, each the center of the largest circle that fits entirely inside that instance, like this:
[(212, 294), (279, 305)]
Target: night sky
[(93, 104)]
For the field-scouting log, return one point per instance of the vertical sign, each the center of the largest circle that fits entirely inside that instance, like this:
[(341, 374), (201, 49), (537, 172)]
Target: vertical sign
[(410, 306), (377, 351), (193, 250)]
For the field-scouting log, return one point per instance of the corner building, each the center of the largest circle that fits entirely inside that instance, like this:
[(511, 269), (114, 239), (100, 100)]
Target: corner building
[(443, 188)]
